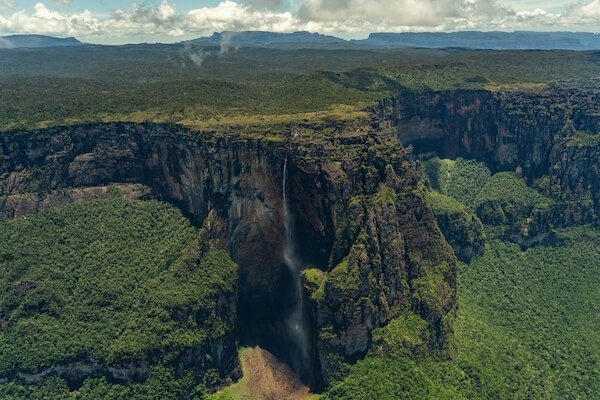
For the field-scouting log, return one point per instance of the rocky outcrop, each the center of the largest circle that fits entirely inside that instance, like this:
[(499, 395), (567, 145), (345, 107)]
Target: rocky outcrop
[(359, 214), (461, 228), (19, 205), (77, 371), (218, 356), (354, 199), (550, 136), (385, 269)]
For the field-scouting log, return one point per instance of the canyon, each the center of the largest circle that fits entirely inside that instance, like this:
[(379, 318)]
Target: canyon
[(550, 137), (343, 199), (339, 195)]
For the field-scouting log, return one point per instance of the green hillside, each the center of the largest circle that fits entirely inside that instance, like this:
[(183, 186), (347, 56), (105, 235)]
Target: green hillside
[(111, 280), (527, 324), (527, 328)]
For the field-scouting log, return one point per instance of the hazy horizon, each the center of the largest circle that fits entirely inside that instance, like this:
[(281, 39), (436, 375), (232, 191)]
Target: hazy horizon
[(166, 21), (180, 40)]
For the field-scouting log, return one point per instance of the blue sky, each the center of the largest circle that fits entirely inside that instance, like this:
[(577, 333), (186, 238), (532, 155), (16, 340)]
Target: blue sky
[(113, 21)]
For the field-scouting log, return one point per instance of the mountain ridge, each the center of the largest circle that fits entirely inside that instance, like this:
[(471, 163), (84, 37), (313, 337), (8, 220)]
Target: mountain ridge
[(494, 40), (497, 40), (36, 41)]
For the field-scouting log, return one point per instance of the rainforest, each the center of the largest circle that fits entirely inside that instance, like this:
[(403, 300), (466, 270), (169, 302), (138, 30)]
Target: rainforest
[(298, 222)]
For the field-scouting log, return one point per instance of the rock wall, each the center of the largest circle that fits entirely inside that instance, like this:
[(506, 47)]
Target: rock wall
[(354, 199), (461, 227), (360, 216), (550, 136), (19, 205)]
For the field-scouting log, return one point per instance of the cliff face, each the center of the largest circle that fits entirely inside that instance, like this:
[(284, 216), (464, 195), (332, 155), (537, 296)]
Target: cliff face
[(358, 215), (387, 258), (551, 137), (461, 228)]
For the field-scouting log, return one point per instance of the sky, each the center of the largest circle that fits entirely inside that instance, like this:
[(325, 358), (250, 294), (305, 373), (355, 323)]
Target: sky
[(117, 22)]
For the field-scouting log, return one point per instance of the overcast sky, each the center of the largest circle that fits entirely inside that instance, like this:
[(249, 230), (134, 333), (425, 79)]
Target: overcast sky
[(112, 21)]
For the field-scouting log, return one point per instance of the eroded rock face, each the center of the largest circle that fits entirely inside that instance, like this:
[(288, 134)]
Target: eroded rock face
[(354, 200), (389, 256), (463, 231), (19, 205), (549, 136)]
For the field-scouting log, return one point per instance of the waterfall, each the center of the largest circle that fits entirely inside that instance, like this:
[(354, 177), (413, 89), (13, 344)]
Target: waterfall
[(295, 321)]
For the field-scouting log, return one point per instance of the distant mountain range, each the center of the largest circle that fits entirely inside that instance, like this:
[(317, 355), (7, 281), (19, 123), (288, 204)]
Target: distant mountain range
[(468, 39), (271, 39), (486, 40), (302, 40), (34, 41)]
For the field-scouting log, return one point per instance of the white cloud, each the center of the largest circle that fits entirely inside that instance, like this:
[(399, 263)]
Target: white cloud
[(584, 11), (230, 15), (6, 4), (266, 4), (46, 21), (400, 12), (419, 15), (5, 44), (344, 17), (142, 20)]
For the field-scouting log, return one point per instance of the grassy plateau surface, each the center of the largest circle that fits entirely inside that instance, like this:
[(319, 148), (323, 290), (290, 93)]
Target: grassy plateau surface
[(162, 83)]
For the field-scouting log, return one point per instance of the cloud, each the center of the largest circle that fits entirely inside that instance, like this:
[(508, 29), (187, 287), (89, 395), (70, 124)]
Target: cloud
[(226, 39), (402, 12), (5, 44), (584, 11), (195, 55), (354, 16), (6, 4), (349, 18), (266, 4), (417, 15), (46, 21), (232, 16), (143, 20)]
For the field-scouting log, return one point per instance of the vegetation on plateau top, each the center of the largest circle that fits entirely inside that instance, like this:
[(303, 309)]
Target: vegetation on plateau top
[(198, 87)]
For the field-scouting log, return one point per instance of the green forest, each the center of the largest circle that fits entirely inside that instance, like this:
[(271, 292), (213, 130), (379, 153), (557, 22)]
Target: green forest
[(251, 86), (98, 277), (107, 279), (527, 323), (527, 328)]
